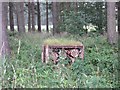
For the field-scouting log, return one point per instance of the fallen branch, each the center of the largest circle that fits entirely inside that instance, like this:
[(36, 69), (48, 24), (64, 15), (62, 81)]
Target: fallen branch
[(1, 49), (19, 47)]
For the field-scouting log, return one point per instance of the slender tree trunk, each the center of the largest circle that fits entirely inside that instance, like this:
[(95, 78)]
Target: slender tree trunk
[(111, 23), (68, 6), (11, 18), (105, 10), (29, 16), (20, 16), (33, 16), (39, 16), (62, 7), (99, 6), (76, 7), (118, 73), (54, 13), (119, 18), (47, 24), (58, 17), (1, 44), (6, 12), (4, 47)]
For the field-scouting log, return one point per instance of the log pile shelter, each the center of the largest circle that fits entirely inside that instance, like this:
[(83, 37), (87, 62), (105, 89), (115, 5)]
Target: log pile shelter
[(58, 48)]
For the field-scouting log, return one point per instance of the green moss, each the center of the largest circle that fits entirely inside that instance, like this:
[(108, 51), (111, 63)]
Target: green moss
[(61, 41)]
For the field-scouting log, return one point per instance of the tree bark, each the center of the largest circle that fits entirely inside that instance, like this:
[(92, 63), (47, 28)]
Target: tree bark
[(20, 16), (1, 44), (111, 23), (33, 16), (119, 18), (39, 16), (118, 40), (47, 24), (5, 5), (100, 16), (68, 6), (55, 14), (76, 6), (4, 47), (29, 16), (62, 7), (11, 18)]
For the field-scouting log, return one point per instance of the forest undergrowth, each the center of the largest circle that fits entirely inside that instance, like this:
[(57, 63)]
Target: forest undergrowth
[(25, 69)]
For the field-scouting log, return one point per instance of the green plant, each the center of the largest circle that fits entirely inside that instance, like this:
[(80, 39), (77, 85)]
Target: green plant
[(97, 70)]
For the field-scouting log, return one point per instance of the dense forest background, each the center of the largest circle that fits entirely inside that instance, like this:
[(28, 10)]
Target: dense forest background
[(24, 27)]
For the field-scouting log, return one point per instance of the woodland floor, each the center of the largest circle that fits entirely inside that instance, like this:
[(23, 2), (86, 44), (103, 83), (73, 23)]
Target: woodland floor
[(25, 69)]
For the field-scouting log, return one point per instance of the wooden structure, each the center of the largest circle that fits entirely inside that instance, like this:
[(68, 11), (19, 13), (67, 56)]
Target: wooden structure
[(55, 51)]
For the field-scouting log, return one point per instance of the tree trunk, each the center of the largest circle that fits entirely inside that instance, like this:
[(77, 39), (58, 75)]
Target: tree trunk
[(62, 7), (76, 6), (6, 13), (11, 18), (4, 47), (1, 44), (99, 6), (39, 16), (119, 18), (68, 6), (111, 23), (29, 16), (118, 41), (20, 16), (33, 16), (47, 24), (55, 14)]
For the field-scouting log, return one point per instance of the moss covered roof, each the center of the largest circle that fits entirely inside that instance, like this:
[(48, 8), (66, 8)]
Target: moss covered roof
[(61, 41)]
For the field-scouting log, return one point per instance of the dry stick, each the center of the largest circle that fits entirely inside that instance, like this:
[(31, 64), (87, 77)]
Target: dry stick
[(1, 49), (19, 47), (14, 77)]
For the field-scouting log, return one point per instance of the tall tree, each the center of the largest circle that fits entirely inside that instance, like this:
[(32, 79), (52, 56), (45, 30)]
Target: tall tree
[(20, 16), (38, 16), (118, 39), (4, 47), (5, 5), (1, 44), (11, 18), (29, 16), (55, 14), (111, 23), (47, 24), (75, 6), (33, 16), (68, 5), (99, 6), (62, 7), (119, 18)]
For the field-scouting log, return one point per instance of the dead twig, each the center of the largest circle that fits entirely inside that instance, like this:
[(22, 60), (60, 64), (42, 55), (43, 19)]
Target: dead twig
[(19, 47), (1, 49)]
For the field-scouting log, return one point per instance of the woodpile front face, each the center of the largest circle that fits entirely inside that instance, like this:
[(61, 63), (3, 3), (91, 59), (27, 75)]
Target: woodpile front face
[(53, 52)]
